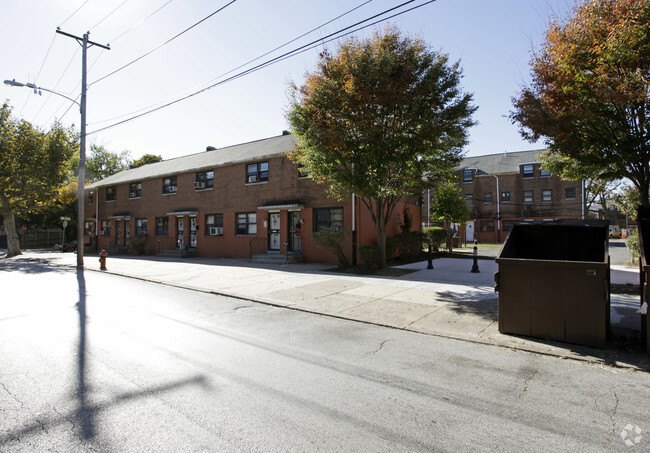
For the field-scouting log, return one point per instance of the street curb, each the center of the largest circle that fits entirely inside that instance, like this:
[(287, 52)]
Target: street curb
[(594, 360)]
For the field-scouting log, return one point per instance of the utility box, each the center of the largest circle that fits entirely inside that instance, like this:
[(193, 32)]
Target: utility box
[(553, 282), (643, 222)]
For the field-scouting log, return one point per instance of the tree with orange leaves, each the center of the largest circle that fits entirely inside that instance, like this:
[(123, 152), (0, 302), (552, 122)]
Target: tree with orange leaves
[(381, 119), (590, 90)]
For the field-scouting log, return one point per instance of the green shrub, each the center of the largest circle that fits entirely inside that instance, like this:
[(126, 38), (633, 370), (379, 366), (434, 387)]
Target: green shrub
[(409, 244), (139, 244), (334, 240), (632, 244), (434, 237), (369, 256)]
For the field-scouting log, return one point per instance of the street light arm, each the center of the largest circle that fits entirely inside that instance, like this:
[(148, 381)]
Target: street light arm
[(13, 83)]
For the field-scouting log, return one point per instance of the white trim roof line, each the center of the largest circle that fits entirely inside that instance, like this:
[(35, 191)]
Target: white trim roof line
[(245, 152)]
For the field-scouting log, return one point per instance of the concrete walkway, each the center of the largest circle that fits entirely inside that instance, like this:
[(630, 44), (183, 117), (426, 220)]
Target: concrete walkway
[(447, 301)]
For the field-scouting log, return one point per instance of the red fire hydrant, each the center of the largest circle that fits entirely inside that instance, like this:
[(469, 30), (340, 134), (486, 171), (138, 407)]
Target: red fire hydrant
[(102, 260)]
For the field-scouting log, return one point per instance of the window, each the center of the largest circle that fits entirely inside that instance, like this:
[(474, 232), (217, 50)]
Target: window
[(529, 171), (302, 173), (570, 193), (214, 221), (169, 185), (487, 197), (246, 223), (91, 198), (487, 226), (543, 172), (528, 196), (89, 229), (505, 197), (204, 180), (106, 228), (468, 175), (258, 172), (162, 226), (328, 217), (135, 190), (140, 226), (506, 225), (111, 193), (469, 199), (547, 195)]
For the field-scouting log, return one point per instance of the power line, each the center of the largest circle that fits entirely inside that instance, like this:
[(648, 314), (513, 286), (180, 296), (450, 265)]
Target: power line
[(75, 12), (109, 14), (297, 51), (248, 62), (139, 23), (164, 44)]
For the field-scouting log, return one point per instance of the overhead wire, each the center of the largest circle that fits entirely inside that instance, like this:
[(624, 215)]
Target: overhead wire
[(163, 44), (75, 12), (248, 62), (109, 14), (140, 22), (331, 37), (102, 50)]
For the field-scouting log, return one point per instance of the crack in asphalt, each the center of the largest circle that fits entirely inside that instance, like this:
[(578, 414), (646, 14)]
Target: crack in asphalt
[(381, 346), (526, 382)]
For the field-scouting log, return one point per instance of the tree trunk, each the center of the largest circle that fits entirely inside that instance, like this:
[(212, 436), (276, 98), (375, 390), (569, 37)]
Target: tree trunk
[(13, 244), (380, 230)]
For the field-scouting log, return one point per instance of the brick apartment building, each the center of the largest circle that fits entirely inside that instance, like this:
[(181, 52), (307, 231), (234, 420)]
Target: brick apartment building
[(238, 201), (505, 188)]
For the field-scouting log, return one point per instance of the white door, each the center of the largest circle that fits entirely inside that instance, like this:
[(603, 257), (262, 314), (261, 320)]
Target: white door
[(469, 231), (274, 231)]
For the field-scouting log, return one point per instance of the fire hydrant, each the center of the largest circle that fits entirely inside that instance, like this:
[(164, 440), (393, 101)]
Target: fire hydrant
[(102, 260)]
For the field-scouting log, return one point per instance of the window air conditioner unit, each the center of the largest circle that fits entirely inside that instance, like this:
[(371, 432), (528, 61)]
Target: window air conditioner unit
[(252, 178), (216, 231), (132, 194), (104, 232), (199, 185), (172, 189)]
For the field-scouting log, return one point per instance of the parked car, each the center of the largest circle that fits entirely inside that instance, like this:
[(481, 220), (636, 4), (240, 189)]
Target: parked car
[(615, 232), (67, 247)]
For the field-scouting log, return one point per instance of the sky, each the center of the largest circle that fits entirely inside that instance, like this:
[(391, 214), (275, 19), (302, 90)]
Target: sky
[(492, 39)]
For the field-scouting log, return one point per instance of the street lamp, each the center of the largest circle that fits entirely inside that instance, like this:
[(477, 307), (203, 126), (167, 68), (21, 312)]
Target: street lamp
[(82, 163), (85, 43)]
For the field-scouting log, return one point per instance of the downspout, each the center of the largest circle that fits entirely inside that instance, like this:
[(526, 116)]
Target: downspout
[(583, 199), (354, 232), (498, 210), (428, 207)]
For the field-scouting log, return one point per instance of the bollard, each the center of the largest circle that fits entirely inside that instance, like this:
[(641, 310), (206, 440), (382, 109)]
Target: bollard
[(475, 269), (102, 260)]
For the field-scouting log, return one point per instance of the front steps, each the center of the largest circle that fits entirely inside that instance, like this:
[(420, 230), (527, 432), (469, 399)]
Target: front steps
[(278, 258), (176, 253)]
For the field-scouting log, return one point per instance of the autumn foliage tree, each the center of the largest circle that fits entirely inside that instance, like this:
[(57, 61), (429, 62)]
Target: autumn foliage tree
[(590, 89), (33, 166), (378, 119)]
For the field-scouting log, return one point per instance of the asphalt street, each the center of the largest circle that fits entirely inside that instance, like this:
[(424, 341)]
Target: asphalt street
[(97, 362)]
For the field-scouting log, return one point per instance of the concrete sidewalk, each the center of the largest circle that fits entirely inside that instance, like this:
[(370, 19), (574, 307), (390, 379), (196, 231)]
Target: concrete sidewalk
[(448, 301)]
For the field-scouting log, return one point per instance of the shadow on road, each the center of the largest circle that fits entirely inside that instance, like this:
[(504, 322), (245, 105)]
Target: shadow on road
[(85, 415)]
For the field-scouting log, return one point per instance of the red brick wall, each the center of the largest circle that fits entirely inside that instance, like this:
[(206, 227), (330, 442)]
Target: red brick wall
[(229, 196)]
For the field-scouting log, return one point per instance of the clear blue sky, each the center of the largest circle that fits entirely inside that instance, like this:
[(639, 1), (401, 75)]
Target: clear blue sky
[(493, 40)]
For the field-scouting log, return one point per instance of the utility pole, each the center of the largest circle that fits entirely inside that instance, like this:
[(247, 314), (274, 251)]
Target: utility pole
[(85, 43)]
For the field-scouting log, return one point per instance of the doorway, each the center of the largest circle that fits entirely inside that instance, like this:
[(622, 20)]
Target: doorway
[(180, 226), (118, 233), (295, 232), (193, 231), (274, 231)]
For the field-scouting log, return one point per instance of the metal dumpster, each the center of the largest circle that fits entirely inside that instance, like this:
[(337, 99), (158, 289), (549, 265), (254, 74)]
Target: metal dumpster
[(553, 282), (643, 221)]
